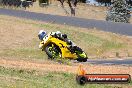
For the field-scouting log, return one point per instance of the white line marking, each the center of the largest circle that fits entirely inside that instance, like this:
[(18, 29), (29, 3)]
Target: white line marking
[(108, 63), (120, 59)]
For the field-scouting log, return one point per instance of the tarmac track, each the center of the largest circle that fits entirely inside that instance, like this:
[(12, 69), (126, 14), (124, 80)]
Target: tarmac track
[(119, 28), (124, 62)]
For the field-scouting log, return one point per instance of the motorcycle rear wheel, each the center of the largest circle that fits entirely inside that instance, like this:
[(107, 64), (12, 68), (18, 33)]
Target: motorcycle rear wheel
[(82, 56), (81, 59)]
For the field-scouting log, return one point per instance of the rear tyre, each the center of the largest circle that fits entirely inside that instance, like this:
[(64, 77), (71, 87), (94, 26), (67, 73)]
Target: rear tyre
[(82, 56), (81, 59)]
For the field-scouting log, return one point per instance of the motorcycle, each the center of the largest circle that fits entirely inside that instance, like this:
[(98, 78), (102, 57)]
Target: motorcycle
[(56, 47)]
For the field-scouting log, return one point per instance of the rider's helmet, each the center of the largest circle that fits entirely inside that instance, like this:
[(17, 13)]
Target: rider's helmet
[(41, 34)]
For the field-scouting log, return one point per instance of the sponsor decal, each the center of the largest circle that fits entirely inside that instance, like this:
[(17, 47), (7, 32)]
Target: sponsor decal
[(103, 78), (83, 78)]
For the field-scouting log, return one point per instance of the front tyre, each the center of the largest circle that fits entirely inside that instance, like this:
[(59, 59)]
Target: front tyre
[(53, 51)]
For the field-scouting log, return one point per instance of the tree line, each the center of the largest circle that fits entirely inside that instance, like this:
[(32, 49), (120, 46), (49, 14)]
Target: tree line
[(17, 3), (109, 2)]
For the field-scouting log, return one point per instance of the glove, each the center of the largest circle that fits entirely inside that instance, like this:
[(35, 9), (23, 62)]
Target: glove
[(64, 36), (41, 45)]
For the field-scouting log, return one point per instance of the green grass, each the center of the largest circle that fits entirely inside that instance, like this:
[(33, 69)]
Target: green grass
[(20, 78), (30, 53), (24, 53)]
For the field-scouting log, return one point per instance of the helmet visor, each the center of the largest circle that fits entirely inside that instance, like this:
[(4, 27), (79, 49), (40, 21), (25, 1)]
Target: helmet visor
[(42, 35)]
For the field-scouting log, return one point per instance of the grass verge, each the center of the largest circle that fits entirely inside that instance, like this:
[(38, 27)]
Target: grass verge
[(20, 78)]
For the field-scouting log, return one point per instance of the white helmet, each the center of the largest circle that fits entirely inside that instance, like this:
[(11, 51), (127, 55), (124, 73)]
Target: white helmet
[(41, 34)]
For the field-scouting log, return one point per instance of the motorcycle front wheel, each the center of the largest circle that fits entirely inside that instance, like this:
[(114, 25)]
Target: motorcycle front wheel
[(53, 51)]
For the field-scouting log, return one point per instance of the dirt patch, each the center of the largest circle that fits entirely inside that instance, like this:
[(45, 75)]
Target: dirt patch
[(89, 12), (15, 35), (48, 66), (44, 66)]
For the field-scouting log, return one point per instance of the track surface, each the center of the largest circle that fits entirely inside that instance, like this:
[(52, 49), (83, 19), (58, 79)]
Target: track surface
[(111, 62), (120, 28)]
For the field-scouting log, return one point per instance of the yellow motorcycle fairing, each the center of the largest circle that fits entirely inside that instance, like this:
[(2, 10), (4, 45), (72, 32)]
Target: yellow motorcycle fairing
[(62, 45)]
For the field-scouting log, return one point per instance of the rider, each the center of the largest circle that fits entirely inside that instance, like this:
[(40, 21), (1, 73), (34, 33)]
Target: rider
[(58, 35)]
